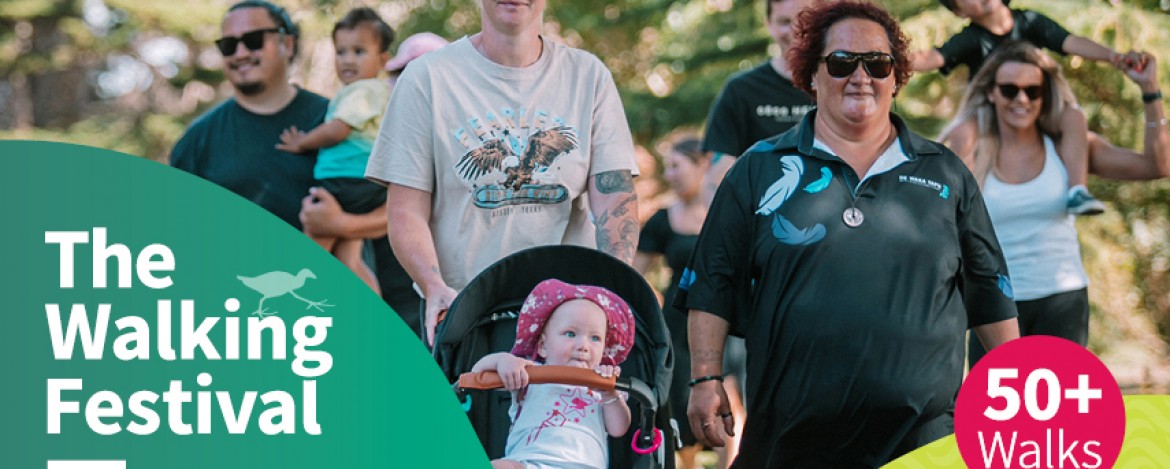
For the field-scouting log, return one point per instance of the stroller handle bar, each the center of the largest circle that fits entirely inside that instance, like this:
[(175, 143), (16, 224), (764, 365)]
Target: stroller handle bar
[(486, 380), (646, 438)]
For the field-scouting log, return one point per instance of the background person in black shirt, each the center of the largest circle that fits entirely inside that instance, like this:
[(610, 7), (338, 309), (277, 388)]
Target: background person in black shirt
[(758, 103)]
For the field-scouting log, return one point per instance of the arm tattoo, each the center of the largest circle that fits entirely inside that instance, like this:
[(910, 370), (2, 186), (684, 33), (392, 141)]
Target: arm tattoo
[(614, 181), (620, 240)]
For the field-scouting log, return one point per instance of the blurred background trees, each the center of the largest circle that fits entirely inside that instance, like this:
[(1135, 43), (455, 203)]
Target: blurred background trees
[(129, 76)]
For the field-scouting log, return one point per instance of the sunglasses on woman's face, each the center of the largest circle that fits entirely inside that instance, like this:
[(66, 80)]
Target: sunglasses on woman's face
[(253, 40), (841, 64), (1010, 91)]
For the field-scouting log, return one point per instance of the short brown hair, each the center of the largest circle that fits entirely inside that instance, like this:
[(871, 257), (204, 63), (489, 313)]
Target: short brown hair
[(812, 28)]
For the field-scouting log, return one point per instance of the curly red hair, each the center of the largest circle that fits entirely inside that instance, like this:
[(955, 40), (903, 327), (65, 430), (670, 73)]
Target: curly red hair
[(812, 28)]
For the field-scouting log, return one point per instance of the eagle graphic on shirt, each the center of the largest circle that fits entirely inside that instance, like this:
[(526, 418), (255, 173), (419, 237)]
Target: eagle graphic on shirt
[(518, 160)]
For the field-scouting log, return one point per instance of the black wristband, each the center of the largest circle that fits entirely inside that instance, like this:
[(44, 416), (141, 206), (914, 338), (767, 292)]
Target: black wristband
[(1151, 97), (701, 379)]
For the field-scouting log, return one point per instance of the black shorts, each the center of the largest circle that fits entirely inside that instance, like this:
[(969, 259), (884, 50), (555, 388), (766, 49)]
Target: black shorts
[(356, 195)]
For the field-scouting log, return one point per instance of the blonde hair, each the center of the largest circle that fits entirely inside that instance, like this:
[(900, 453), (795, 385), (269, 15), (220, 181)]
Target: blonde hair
[(975, 105)]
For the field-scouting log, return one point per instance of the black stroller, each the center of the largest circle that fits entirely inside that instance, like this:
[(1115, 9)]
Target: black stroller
[(482, 320)]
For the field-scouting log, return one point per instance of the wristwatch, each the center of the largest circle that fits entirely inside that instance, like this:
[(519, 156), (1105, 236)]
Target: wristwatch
[(1151, 97)]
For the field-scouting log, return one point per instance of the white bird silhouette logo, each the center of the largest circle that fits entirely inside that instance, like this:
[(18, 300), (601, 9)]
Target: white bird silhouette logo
[(277, 283)]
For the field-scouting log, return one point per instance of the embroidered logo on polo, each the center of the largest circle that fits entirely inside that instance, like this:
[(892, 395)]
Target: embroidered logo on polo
[(792, 168), (944, 191), (513, 152)]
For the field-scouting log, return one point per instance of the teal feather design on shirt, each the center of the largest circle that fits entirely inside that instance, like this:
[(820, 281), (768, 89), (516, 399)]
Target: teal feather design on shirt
[(782, 189), (787, 233), (1005, 286), (688, 279), (820, 184)]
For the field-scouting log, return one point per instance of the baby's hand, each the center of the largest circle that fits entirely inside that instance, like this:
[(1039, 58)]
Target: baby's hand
[(513, 373), (608, 370), (291, 140)]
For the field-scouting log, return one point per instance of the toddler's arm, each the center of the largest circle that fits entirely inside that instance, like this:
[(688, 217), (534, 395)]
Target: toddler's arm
[(1084, 47), (328, 134), (614, 410), (508, 366)]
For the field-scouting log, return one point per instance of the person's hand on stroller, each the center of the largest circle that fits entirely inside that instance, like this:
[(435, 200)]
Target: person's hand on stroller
[(708, 408), (438, 298), (606, 371), (510, 368), (613, 403), (513, 373)]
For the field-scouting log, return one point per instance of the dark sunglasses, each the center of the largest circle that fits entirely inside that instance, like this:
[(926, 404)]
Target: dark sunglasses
[(1011, 91), (841, 64), (253, 40)]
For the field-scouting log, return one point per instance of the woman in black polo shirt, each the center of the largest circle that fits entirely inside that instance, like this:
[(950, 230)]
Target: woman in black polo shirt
[(837, 249)]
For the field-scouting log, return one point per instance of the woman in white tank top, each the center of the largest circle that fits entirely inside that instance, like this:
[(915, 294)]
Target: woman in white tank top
[(1006, 131)]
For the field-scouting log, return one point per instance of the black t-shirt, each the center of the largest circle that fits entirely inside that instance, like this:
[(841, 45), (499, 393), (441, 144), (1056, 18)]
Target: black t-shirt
[(753, 105), (855, 336), (659, 237), (974, 43), (235, 149)]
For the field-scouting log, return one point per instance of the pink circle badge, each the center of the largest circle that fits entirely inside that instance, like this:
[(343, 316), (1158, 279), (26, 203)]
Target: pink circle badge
[(1039, 402)]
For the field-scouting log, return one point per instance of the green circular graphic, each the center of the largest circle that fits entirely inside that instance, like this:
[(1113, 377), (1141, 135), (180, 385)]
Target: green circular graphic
[(283, 357)]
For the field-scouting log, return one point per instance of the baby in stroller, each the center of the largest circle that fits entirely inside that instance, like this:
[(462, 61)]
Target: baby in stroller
[(485, 318), (554, 424)]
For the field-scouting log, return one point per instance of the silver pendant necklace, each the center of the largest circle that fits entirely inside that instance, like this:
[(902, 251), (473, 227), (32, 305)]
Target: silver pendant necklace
[(852, 216)]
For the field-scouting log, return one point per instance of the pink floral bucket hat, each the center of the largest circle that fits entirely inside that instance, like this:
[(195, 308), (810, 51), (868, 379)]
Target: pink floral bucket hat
[(549, 294)]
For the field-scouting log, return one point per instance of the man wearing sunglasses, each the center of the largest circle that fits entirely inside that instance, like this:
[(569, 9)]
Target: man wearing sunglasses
[(233, 144)]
